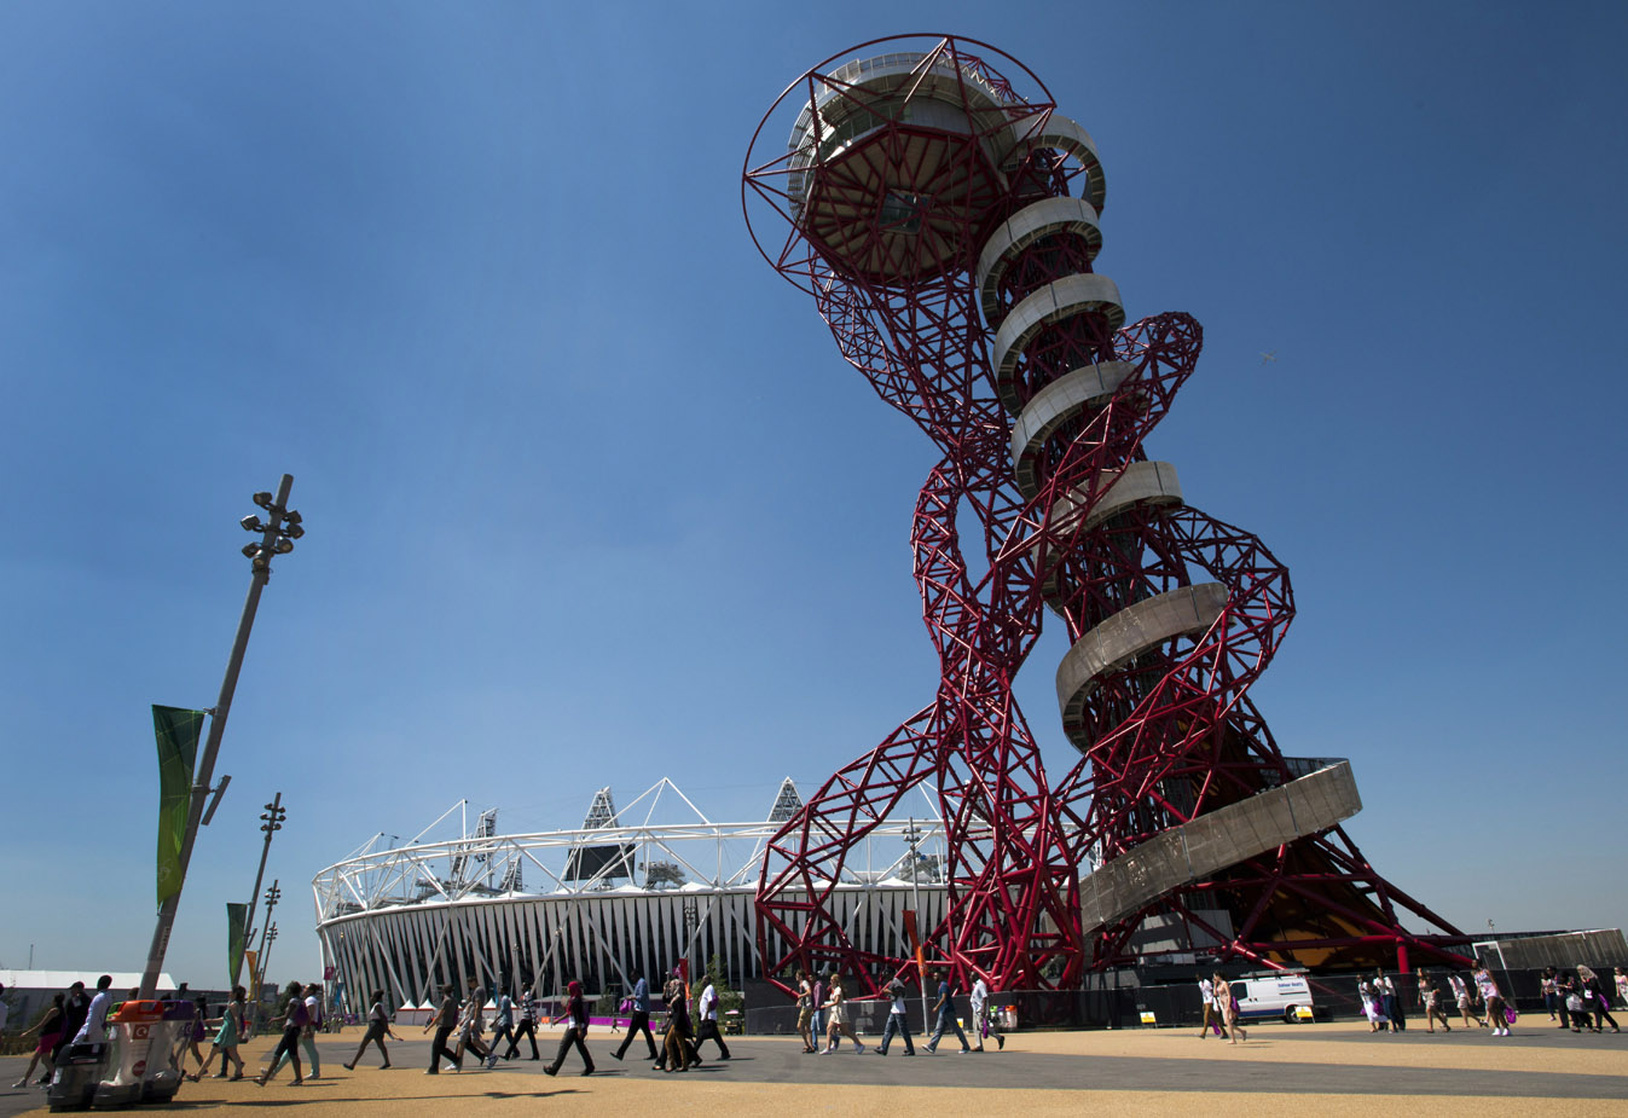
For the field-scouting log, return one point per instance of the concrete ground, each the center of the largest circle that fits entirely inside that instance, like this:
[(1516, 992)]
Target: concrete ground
[(1323, 1069)]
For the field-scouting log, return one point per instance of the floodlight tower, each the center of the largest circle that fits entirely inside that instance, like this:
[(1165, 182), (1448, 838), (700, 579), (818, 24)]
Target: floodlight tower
[(945, 218)]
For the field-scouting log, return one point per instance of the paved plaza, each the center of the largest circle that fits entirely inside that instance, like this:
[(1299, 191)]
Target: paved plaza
[(1319, 1069)]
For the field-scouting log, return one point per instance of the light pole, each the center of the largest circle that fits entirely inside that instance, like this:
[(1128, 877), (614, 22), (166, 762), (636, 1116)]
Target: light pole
[(271, 821), (265, 956), (277, 536)]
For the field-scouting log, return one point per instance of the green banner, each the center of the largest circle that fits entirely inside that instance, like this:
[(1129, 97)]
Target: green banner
[(177, 732), (236, 916)]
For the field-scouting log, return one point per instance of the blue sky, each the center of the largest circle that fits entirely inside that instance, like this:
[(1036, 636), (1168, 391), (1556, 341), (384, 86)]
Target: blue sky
[(592, 499)]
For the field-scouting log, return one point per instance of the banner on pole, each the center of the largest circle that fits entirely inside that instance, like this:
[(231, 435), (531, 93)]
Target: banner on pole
[(236, 916), (177, 732), (253, 957)]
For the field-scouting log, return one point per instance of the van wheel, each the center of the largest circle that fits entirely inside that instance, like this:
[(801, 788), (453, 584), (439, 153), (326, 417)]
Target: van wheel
[(1289, 1017)]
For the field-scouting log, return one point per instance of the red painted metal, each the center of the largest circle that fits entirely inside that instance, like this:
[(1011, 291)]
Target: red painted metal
[(887, 202)]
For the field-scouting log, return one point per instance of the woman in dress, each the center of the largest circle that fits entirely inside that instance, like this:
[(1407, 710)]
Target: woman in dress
[(294, 1020), (1372, 1006), (1430, 998), (230, 1035), (378, 1027), (50, 1030), (1493, 999), (1227, 1003), (1462, 998), (836, 1006)]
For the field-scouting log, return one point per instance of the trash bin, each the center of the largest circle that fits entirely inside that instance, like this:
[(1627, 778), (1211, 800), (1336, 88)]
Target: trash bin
[(1008, 1018), (74, 1079), (149, 1037)]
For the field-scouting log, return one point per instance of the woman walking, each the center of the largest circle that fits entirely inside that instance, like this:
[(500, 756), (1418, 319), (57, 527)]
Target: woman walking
[(836, 1005), (1430, 998), (229, 1036), (50, 1028), (576, 1029), (1462, 998), (1227, 1002), (378, 1027), (1493, 999), (1372, 1006), (471, 1026), (1595, 1000), (294, 1020)]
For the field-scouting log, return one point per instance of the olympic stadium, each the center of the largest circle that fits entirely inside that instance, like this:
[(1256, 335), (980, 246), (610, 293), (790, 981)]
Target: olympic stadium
[(635, 889)]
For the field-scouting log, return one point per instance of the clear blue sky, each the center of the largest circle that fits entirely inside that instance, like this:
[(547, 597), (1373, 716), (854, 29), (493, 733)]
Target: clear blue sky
[(592, 499)]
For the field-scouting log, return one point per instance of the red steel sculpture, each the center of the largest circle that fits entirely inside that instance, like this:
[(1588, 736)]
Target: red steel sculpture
[(946, 226)]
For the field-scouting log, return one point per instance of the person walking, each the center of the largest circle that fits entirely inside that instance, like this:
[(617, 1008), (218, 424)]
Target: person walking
[(984, 1021), (229, 1036), (1595, 1000), (1551, 998), (805, 1011), (1493, 999), (295, 1018), (944, 1011), (75, 1009), (1464, 998), (308, 1034), (639, 1022), (1389, 1002), (576, 1031), (1430, 998), (706, 1012), (94, 1028), (472, 1026), (444, 1021), (836, 1011), (816, 1004), (898, 1020), (50, 1029), (529, 1014), (378, 1027), (502, 1027), (1206, 992), (677, 1053), (1373, 1006), (1229, 1010)]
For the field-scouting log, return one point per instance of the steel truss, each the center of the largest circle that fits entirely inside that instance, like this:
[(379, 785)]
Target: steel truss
[(946, 227)]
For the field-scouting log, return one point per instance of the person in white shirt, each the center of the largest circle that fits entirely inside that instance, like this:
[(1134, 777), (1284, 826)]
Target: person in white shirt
[(706, 1009), (983, 1023), (94, 1030), (897, 1022), (1206, 990)]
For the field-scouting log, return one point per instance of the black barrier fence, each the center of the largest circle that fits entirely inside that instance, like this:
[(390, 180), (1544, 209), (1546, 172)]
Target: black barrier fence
[(1119, 1003)]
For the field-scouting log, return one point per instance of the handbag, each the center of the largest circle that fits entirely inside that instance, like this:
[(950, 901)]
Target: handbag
[(1510, 1016)]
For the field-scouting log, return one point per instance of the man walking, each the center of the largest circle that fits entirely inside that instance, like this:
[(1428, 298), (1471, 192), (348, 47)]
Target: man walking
[(983, 1022), (502, 1027), (945, 1009), (897, 1021), (706, 1008), (528, 1026), (94, 1030), (640, 1021), (444, 1021)]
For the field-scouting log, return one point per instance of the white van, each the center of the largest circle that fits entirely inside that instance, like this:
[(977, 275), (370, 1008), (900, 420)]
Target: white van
[(1273, 994)]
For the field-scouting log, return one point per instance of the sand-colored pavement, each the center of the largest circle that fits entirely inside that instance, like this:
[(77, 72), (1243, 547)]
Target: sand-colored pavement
[(1325, 1069)]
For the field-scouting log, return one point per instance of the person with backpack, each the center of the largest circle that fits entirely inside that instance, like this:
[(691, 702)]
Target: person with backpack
[(308, 1034)]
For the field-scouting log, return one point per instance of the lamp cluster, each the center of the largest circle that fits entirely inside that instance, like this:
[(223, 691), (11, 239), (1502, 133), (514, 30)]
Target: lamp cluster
[(277, 533)]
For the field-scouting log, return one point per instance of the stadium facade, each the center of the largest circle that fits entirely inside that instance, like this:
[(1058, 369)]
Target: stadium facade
[(621, 895)]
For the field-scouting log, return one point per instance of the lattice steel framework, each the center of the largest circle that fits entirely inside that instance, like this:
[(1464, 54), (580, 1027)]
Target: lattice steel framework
[(946, 225)]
